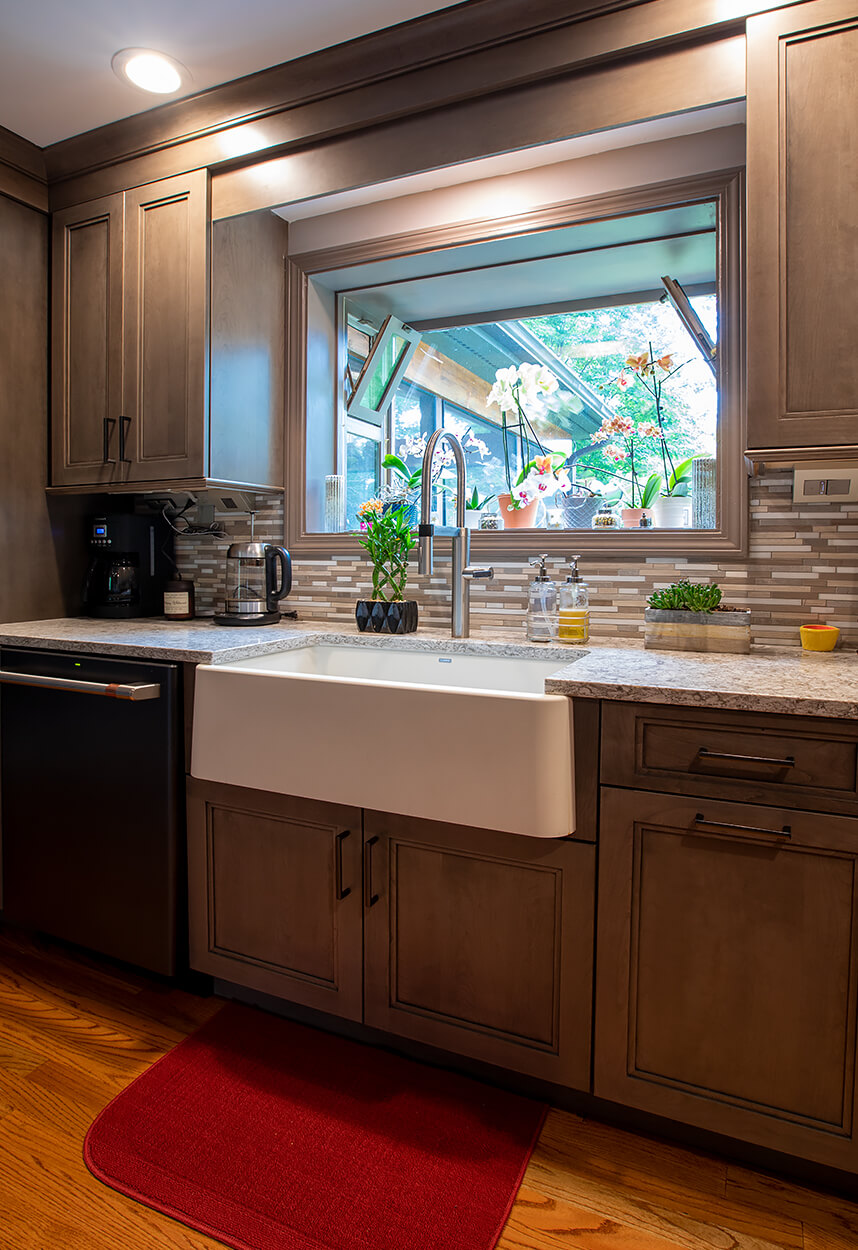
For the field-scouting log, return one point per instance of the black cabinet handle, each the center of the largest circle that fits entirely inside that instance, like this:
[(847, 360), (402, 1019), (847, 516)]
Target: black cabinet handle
[(107, 430), (369, 898), (785, 832), (341, 893), (123, 459), (787, 762)]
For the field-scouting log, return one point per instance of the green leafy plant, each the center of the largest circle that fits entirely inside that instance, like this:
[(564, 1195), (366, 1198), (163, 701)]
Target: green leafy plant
[(387, 536), (651, 490), (685, 596), (409, 479), (473, 502), (679, 478)]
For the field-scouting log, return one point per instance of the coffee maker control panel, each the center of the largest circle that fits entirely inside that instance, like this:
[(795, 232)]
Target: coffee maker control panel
[(99, 537)]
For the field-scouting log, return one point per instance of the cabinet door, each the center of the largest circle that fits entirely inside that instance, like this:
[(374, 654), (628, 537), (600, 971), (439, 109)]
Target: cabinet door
[(726, 970), (275, 895), (803, 227), (481, 943), (164, 421), (87, 342)]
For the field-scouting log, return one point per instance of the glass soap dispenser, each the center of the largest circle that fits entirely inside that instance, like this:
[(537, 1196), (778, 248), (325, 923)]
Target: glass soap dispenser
[(541, 604), (573, 599)]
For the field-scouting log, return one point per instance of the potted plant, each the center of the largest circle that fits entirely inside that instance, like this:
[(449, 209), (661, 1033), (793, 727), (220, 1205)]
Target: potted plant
[(514, 390), (689, 616), (671, 506), (387, 535), (474, 506)]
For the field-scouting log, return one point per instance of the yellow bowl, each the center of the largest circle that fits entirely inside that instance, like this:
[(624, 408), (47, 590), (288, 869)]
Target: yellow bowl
[(819, 637)]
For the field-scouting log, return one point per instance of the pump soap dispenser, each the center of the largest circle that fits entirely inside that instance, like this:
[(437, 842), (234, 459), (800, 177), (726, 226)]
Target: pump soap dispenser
[(574, 603), (541, 604)]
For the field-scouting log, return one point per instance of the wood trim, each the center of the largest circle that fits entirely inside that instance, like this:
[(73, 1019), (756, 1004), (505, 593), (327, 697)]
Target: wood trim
[(610, 204), (789, 457), (732, 536), (673, 80), (22, 171), (423, 63)]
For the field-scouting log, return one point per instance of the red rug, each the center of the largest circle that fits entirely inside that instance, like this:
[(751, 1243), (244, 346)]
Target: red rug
[(271, 1136)]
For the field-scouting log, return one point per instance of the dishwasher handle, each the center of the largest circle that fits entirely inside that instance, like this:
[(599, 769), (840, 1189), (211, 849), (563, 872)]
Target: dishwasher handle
[(135, 693)]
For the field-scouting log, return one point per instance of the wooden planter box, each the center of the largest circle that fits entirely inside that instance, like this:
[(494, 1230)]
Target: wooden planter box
[(697, 631)]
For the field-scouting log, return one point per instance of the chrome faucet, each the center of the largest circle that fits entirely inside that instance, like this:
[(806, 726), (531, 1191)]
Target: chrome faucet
[(463, 572)]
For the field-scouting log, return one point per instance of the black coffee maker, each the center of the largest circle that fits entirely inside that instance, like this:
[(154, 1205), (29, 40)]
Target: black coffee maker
[(131, 558)]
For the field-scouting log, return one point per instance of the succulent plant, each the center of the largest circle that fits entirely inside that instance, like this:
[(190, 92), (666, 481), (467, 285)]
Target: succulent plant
[(685, 596)]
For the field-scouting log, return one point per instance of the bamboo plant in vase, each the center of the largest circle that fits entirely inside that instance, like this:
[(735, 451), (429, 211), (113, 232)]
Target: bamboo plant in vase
[(387, 536), (543, 472)]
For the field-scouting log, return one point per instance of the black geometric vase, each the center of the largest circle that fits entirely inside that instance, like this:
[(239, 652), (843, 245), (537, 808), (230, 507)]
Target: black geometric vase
[(377, 617)]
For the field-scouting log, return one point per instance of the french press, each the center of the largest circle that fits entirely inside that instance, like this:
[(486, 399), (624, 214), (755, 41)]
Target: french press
[(253, 587)]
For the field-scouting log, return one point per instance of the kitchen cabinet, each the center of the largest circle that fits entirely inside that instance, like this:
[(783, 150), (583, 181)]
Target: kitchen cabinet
[(802, 168), (275, 899), (727, 972), (481, 943), (167, 361), (475, 942)]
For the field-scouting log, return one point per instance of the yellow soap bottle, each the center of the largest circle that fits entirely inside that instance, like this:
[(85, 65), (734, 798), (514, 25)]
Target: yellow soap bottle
[(573, 599)]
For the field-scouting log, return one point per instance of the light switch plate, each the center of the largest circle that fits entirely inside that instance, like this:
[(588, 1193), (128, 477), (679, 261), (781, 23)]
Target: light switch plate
[(826, 483)]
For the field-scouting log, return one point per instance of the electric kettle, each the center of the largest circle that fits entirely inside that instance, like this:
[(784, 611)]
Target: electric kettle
[(258, 576)]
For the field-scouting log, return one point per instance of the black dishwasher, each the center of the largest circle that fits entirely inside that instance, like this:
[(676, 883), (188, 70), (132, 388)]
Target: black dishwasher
[(91, 784)]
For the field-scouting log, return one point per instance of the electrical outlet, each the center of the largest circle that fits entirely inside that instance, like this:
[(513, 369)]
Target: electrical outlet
[(826, 483)]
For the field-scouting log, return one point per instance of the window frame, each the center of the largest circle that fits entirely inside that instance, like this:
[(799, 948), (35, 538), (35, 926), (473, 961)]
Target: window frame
[(730, 538)]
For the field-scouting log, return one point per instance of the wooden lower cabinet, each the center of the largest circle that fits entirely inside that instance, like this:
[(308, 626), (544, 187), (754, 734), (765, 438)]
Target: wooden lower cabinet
[(275, 895), (726, 969), (481, 943), (475, 942)]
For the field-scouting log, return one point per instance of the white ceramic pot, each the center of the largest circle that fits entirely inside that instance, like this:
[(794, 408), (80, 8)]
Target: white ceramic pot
[(672, 512), (472, 519)]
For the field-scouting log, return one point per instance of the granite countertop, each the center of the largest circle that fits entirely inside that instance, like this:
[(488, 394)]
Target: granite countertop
[(770, 679), (202, 642)]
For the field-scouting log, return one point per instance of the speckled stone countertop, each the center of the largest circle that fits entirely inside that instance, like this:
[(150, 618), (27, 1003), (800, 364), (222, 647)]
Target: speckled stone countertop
[(203, 642), (770, 679)]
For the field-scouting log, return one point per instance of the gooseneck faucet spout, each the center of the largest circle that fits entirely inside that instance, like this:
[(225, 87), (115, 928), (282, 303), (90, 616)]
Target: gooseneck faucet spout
[(463, 572)]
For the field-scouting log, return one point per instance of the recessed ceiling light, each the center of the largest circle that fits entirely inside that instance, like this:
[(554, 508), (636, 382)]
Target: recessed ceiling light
[(151, 71)]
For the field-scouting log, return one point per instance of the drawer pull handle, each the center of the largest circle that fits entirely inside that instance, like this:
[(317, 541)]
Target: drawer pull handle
[(785, 832), (106, 430), (341, 892), (788, 761)]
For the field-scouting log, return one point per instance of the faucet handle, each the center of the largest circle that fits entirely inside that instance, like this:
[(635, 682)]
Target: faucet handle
[(479, 572)]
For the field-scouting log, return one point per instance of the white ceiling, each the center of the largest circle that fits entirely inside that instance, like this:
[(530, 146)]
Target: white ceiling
[(55, 75)]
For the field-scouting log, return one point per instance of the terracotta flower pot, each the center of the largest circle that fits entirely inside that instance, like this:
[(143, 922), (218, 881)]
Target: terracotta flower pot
[(632, 518), (518, 518)]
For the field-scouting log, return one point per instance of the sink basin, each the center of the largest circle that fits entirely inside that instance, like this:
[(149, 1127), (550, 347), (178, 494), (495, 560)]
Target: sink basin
[(468, 739)]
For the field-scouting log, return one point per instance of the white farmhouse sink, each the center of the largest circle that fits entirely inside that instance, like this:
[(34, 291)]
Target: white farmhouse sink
[(469, 739)]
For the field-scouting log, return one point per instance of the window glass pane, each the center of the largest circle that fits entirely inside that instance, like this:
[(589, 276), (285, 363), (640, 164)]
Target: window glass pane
[(594, 395), (363, 474)]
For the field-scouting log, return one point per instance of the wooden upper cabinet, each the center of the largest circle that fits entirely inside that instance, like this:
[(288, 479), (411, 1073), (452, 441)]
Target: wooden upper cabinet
[(166, 335), (87, 365), (726, 970), (141, 314), (803, 228)]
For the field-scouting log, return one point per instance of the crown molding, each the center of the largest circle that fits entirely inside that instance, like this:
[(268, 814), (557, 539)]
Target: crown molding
[(22, 171)]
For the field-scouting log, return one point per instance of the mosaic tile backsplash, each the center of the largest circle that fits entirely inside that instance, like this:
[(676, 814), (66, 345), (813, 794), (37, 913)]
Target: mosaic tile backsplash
[(802, 566)]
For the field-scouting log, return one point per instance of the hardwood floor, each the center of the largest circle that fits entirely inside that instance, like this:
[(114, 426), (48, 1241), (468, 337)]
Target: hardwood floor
[(74, 1031)]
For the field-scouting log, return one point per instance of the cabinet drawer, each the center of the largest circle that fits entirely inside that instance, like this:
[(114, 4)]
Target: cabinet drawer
[(766, 759)]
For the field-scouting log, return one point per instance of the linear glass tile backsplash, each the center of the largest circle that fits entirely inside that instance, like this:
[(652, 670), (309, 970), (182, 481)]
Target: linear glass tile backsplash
[(802, 567)]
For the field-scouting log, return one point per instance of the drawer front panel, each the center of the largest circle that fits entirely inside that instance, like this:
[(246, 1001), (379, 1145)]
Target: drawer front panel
[(761, 758)]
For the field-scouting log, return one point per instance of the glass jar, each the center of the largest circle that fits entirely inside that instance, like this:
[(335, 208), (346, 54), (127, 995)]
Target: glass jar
[(607, 518)]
